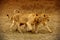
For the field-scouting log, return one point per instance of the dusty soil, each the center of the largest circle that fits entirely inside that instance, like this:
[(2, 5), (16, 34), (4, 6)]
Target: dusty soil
[(28, 6)]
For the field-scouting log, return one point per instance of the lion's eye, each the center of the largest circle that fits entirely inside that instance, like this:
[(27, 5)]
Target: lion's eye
[(7, 14), (36, 14), (44, 15)]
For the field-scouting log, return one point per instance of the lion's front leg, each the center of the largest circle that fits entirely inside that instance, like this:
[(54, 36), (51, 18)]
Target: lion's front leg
[(13, 26), (19, 29), (29, 26), (46, 25)]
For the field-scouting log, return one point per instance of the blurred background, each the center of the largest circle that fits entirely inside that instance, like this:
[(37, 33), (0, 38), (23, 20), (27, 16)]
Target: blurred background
[(51, 7)]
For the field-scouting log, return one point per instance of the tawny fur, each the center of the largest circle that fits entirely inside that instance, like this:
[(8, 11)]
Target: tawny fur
[(29, 22)]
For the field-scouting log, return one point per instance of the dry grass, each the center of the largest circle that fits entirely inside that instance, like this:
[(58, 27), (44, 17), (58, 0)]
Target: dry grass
[(30, 6)]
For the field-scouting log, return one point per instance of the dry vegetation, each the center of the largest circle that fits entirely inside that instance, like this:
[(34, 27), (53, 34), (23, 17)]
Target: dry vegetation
[(26, 8)]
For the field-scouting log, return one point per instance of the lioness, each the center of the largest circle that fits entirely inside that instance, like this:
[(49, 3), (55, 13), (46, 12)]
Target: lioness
[(29, 22)]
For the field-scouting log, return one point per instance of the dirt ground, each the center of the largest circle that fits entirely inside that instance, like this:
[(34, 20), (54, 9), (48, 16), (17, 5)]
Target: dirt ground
[(30, 6)]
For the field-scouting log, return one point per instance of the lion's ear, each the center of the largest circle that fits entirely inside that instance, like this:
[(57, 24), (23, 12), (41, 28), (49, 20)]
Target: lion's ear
[(48, 15), (42, 14), (16, 11)]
